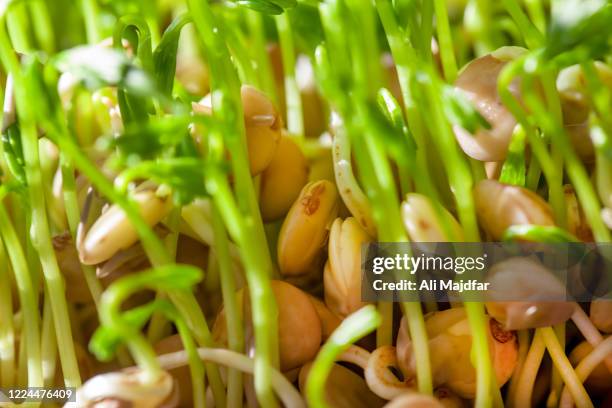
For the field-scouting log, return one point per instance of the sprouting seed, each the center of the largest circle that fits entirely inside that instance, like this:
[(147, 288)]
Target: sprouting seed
[(262, 122), (342, 279), (379, 376), (478, 82), (127, 388), (500, 206), (305, 229), (299, 326), (524, 279), (450, 336), (329, 321), (113, 231), (424, 224)]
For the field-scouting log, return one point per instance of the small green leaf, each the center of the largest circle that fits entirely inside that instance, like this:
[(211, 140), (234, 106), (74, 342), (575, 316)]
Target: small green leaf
[(164, 56), (11, 146)]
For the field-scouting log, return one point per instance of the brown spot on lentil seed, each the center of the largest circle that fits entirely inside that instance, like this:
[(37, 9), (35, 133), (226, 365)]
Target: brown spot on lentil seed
[(424, 224), (311, 201), (498, 332)]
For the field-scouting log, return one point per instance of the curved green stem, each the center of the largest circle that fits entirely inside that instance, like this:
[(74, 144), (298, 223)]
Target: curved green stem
[(350, 330)]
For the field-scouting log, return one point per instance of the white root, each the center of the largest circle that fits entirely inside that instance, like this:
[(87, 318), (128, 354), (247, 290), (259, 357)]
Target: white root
[(599, 354), (355, 355), (285, 390), (113, 231), (589, 331), (379, 377), (352, 195)]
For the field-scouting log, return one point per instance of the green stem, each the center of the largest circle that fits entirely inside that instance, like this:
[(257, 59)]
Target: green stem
[(196, 368), (155, 249), (293, 101), (43, 28), (555, 182), (259, 54), (538, 147), (535, 8), (533, 37), (250, 235), (233, 319), (49, 346), (73, 214), (404, 57), (575, 169), (263, 300), (456, 166), (426, 30), (40, 234), (418, 333), (235, 42), (90, 11), (27, 299), (7, 328), (17, 23), (485, 377), (445, 39), (478, 22)]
